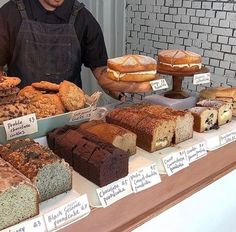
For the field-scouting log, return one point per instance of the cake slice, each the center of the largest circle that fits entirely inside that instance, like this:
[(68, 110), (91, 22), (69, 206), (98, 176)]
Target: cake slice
[(224, 110), (50, 174), (116, 135), (204, 118), (18, 197)]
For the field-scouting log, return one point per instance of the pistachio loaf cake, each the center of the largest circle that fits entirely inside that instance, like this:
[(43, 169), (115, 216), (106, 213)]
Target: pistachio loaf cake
[(50, 174), (18, 197)]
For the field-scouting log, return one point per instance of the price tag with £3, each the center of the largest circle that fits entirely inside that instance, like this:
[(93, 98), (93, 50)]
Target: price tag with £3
[(159, 84)]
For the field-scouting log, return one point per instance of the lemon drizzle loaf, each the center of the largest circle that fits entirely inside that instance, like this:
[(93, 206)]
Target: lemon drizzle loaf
[(18, 197), (50, 174)]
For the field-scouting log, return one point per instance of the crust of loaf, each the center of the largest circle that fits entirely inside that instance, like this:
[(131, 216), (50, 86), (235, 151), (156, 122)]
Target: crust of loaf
[(211, 93), (132, 77), (139, 63)]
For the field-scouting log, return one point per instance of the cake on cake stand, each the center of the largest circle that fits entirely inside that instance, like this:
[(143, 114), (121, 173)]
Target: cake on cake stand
[(177, 78)]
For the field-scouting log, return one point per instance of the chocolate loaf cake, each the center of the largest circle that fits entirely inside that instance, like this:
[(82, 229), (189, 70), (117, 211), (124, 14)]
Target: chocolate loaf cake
[(94, 158), (50, 174), (116, 135), (18, 197)]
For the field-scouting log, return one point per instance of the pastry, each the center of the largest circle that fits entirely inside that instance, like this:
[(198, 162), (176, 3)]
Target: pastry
[(50, 174), (8, 99), (224, 110), (28, 93), (179, 61), (72, 96), (60, 109), (18, 197), (9, 82), (116, 135), (46, 86), (210, 93), (204, 118), (7, 92), (137, 68)]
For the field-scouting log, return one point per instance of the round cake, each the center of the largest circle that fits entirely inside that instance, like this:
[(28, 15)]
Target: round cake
[(179, 61)]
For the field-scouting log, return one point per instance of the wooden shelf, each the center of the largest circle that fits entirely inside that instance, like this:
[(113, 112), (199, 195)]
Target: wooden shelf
[(136, 209)]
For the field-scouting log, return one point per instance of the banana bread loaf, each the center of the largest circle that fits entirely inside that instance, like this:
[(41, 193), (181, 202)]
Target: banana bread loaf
[(50, 174), (18, 197)]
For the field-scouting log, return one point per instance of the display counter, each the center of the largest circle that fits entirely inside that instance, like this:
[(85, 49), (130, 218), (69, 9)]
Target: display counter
[(139, 208)]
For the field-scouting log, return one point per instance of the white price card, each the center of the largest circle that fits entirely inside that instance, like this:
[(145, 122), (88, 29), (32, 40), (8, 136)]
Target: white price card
[(202, 78), (145, 178), (227, 138), (33, 225), (18, 127), (114, 191), (175, 162), (83, 114), (196, 152), (159, 84), (70, 212)]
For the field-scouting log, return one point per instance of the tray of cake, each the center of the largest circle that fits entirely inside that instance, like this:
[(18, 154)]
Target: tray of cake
[(54, 105)]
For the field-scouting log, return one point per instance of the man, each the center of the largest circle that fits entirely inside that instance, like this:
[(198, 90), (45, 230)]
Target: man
[(50, 40)]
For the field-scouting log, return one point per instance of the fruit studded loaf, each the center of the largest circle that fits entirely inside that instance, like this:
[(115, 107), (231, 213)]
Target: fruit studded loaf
[(18, 197), (95, 159), (204, 118), (116, 135), (50, 174), (183, 120), (153, 133), (224, 110)]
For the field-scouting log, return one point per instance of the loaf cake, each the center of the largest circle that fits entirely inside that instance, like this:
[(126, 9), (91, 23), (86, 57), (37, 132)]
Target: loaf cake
[(137, 68), (204, 118), (224, 110), (50, 174), (18, 197), (153, 133), (179, 61), (116, 135), (183, 120), (94, 158)]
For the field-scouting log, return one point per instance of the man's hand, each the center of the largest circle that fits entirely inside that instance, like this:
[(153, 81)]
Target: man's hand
[(1, 71), (115, 88)]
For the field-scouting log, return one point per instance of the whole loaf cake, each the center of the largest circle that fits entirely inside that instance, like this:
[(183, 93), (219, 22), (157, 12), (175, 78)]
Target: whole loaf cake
[(18, 197), (92, 157), (50, 174)]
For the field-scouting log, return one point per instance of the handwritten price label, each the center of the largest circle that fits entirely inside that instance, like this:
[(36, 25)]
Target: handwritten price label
[(22, 126), (114, 191), (83, 114), (33, 225), (74, 210), (203, 78), (145, 178), (175, 162), (228, 138), (159, 84), (196, 152)]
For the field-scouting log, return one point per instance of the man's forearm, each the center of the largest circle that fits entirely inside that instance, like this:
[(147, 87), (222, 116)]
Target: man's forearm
[(1, 71)]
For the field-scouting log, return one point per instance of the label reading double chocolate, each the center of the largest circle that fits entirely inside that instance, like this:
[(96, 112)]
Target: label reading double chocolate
[(18, 127)]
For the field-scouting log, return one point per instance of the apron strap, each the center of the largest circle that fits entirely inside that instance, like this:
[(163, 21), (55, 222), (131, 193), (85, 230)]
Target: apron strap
[(76, 8), (21, 8)]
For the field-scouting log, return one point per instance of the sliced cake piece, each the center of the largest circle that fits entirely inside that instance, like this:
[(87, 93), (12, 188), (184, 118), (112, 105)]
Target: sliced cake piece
[(224, 110), (18, 197), (116, 135), (50, 174), (204, 118)]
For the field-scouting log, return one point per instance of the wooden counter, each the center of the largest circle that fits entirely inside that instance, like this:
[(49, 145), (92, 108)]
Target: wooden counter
[(136, 209)]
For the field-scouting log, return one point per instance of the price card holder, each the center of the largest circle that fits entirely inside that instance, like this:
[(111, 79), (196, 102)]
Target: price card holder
[(145, 178), (83, 114), (196, 152), (227, 138), (114, 191), (203, 78), (159, 84), (34, 225), (175, 162), (21, 126), (72, 211)]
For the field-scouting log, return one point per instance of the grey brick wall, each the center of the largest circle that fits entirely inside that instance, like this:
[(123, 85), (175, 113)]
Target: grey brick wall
[(206, 27)]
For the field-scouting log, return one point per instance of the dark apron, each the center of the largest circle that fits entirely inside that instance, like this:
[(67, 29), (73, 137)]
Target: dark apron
[(46, 52)]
